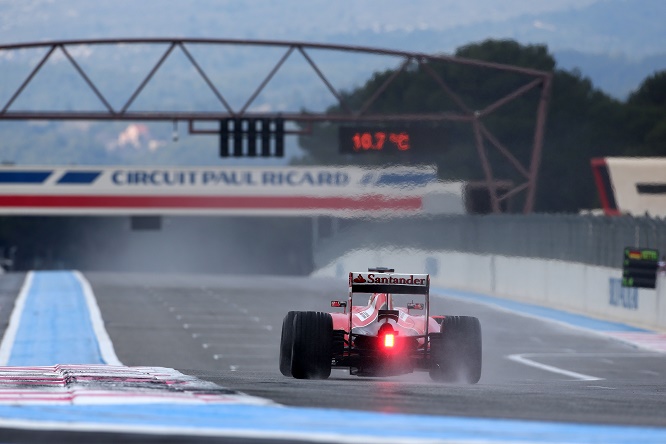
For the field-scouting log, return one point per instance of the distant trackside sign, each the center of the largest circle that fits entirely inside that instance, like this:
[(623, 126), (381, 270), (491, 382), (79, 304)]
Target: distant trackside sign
[(130, 190)]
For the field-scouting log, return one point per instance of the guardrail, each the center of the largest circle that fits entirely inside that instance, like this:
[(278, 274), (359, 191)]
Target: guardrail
[(593, 240)]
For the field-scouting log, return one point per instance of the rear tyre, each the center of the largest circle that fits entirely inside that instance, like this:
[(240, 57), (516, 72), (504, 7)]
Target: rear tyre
[(286, 343), (311, 352), (456, 352)]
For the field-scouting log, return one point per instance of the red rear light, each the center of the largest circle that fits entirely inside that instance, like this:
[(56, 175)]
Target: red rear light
[(389, 340)]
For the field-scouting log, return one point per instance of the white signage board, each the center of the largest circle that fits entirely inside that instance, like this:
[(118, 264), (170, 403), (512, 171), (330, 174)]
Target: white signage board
[(131, 190), (638, 185)]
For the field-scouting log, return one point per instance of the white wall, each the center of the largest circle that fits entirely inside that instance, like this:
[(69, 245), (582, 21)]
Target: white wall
[(575, 287)]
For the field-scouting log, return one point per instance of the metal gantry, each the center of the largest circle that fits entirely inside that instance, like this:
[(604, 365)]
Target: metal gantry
[(464, 113)]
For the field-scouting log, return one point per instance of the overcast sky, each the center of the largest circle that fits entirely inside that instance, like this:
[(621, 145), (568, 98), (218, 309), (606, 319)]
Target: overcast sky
[(26, 20)]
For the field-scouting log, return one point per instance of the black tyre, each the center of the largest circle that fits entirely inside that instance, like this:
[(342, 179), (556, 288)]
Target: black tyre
[(311, 351), (286, 343), (456, 351)]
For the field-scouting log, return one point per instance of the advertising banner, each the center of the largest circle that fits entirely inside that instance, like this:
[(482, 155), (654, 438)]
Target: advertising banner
[(132, 190)]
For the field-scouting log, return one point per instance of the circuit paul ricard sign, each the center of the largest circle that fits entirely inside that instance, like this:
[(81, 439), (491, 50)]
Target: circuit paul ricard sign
[(639, 267), (136, 190)]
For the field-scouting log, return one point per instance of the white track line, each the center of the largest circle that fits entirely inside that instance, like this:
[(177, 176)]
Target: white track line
[(14, 321), (521, 358), (103, 340)]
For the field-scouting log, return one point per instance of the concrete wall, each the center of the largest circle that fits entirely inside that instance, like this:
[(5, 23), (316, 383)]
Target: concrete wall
[(580, 288)]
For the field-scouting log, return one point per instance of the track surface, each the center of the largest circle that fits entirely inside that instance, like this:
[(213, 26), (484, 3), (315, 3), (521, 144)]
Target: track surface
[(226, 330)]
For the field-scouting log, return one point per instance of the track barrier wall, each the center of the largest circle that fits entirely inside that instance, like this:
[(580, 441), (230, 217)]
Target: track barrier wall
[(576, 287), (586, 239)]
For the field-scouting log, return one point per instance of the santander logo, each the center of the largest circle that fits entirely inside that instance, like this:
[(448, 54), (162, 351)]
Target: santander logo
[(404, 279), (359, 279)]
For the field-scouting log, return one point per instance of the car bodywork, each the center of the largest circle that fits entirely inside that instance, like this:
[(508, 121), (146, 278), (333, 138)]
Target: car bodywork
[(380, 339)]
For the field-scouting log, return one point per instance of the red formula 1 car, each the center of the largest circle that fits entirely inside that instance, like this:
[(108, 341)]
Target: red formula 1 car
[(382, 338)]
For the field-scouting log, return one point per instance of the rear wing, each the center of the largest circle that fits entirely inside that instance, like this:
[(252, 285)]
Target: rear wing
[(395, 283), (389, 282)]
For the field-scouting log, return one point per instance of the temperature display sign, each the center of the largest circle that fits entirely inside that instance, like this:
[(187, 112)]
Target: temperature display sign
[(388, 139)]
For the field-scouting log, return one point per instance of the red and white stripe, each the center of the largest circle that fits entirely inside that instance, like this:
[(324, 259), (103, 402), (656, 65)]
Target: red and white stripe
[(645, 340), (177, 204), (107, 384)]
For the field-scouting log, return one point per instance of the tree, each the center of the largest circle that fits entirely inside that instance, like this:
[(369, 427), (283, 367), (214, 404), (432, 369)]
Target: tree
[(648, 111), (415, 91), (583, 122)]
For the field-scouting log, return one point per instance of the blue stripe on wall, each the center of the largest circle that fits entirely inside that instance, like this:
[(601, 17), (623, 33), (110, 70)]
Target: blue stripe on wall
[(79, 177), (17, 177), (406, 179)]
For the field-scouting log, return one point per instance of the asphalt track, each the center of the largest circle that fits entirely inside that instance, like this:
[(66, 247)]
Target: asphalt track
[(226, 330)]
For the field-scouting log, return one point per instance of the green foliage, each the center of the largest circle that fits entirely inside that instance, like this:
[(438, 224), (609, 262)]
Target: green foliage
[(648, 122), (583, 122), (652, 92), (509, 52)]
